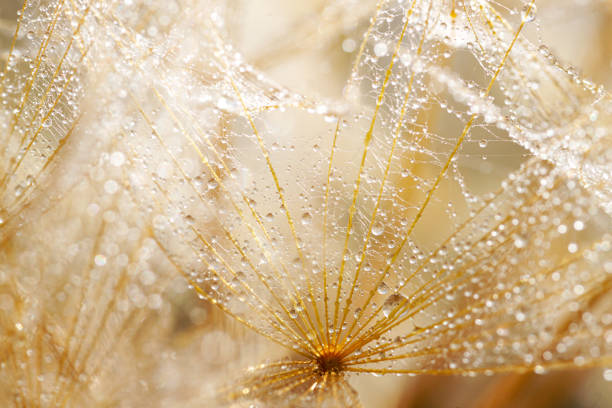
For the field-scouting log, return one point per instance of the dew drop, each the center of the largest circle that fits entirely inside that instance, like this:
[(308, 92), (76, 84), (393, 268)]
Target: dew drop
[(382, 288), (381, 49), (111, 187), (520, 242), (235, 283), (529, 12), (117, 159), (212, 184), (100, 260), (349, 45), (392, 302), (378, 229), (306, 218)]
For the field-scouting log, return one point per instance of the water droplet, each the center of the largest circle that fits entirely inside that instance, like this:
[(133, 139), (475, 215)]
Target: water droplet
[(528, 13), (520, 242), (349, 45), (381, 49), (111, 186), (544, 50), (393, 302), (117, 159), (306, 218), (100, 260), (538, 369), (378, 229), (212, 184), (382, 288)]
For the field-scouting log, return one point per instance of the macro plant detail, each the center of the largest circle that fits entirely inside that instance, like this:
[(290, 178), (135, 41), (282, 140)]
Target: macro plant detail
[(446, 210)]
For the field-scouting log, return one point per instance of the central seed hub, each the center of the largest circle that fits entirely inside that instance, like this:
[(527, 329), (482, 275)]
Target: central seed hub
[(330, 362)]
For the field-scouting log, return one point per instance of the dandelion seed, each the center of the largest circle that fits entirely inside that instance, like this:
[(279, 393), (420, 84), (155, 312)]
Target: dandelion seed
[(389, 171)]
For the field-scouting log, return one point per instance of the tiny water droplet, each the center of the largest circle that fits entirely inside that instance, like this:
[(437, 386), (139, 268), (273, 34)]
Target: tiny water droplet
[(381, 49), (212, 184), (117, 159), (19, 190), (306, 218), (349, 45), (100, 260), (528, 13), (382, 288), (520, 242)]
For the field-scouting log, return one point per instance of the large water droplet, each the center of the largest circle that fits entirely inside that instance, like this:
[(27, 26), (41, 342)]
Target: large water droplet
[(378, 229), (392, 302)]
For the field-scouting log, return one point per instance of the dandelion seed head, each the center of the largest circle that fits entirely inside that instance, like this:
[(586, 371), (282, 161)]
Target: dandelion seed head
[(444, 209)]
